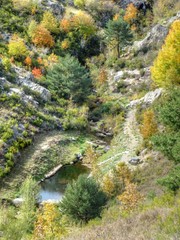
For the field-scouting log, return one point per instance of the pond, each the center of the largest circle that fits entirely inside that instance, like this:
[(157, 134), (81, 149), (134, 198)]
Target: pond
[(54, 187)]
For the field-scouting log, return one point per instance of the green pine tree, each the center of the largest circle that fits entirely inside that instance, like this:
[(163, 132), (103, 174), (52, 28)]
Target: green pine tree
[(83, 199), (68, 79), (118, 34)]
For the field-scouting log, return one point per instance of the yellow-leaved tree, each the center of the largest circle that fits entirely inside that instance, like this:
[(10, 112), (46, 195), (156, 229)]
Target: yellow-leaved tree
[(50, 22), (17, 47), (166, 69), (130, 197), (149, 124), (49, 224)]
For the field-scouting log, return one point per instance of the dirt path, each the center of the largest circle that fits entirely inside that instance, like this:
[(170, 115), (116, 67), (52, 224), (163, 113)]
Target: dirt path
[(26, 161), (133, 137), (126, 143)]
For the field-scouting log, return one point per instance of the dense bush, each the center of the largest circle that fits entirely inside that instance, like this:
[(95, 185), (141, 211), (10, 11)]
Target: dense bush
[(168, 143), (168, 109), (83, 199), (172, 180)]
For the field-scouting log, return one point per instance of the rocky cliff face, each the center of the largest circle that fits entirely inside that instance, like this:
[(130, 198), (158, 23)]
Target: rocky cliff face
[(155, 36)]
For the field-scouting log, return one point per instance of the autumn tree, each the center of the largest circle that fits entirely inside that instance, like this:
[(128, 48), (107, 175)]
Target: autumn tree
[(42, 37), (84, 24), (48, 224), (28, 61), (118, 34), (149, 124), (50, 22), (65, 44), (65, 25), (114, 182), (17, 47), (108, 184), (122, 174), (166, 68), (130, 198), (131, 13), (32, 28), (37, 73), (90, 155), (83, 200)]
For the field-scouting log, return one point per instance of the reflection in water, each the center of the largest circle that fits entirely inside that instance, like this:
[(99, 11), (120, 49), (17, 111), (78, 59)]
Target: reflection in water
[(54, 187)]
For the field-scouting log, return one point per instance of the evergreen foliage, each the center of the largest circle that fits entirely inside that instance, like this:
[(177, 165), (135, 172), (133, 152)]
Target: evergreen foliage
[(68, 79), (83, 199), (168, 109), (118, 34), (172, 180)]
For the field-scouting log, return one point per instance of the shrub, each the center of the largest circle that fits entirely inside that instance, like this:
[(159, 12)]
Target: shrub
[(28, 61), (75, 118), (168, 109), (6, 63), (17, 47), (83, 200), (168, 143), (172, 180), (65, 25), (166, 68)]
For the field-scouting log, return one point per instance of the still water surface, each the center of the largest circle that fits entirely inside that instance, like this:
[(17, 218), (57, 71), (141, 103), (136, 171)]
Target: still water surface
[(54, 187)]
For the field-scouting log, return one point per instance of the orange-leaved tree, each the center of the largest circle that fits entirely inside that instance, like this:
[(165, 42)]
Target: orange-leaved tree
[(37, 73), (28, 61), (131, 13), (42, 37), (65, 25)]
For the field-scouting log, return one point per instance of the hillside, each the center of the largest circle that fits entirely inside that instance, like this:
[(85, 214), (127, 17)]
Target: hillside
[(94, 83)]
